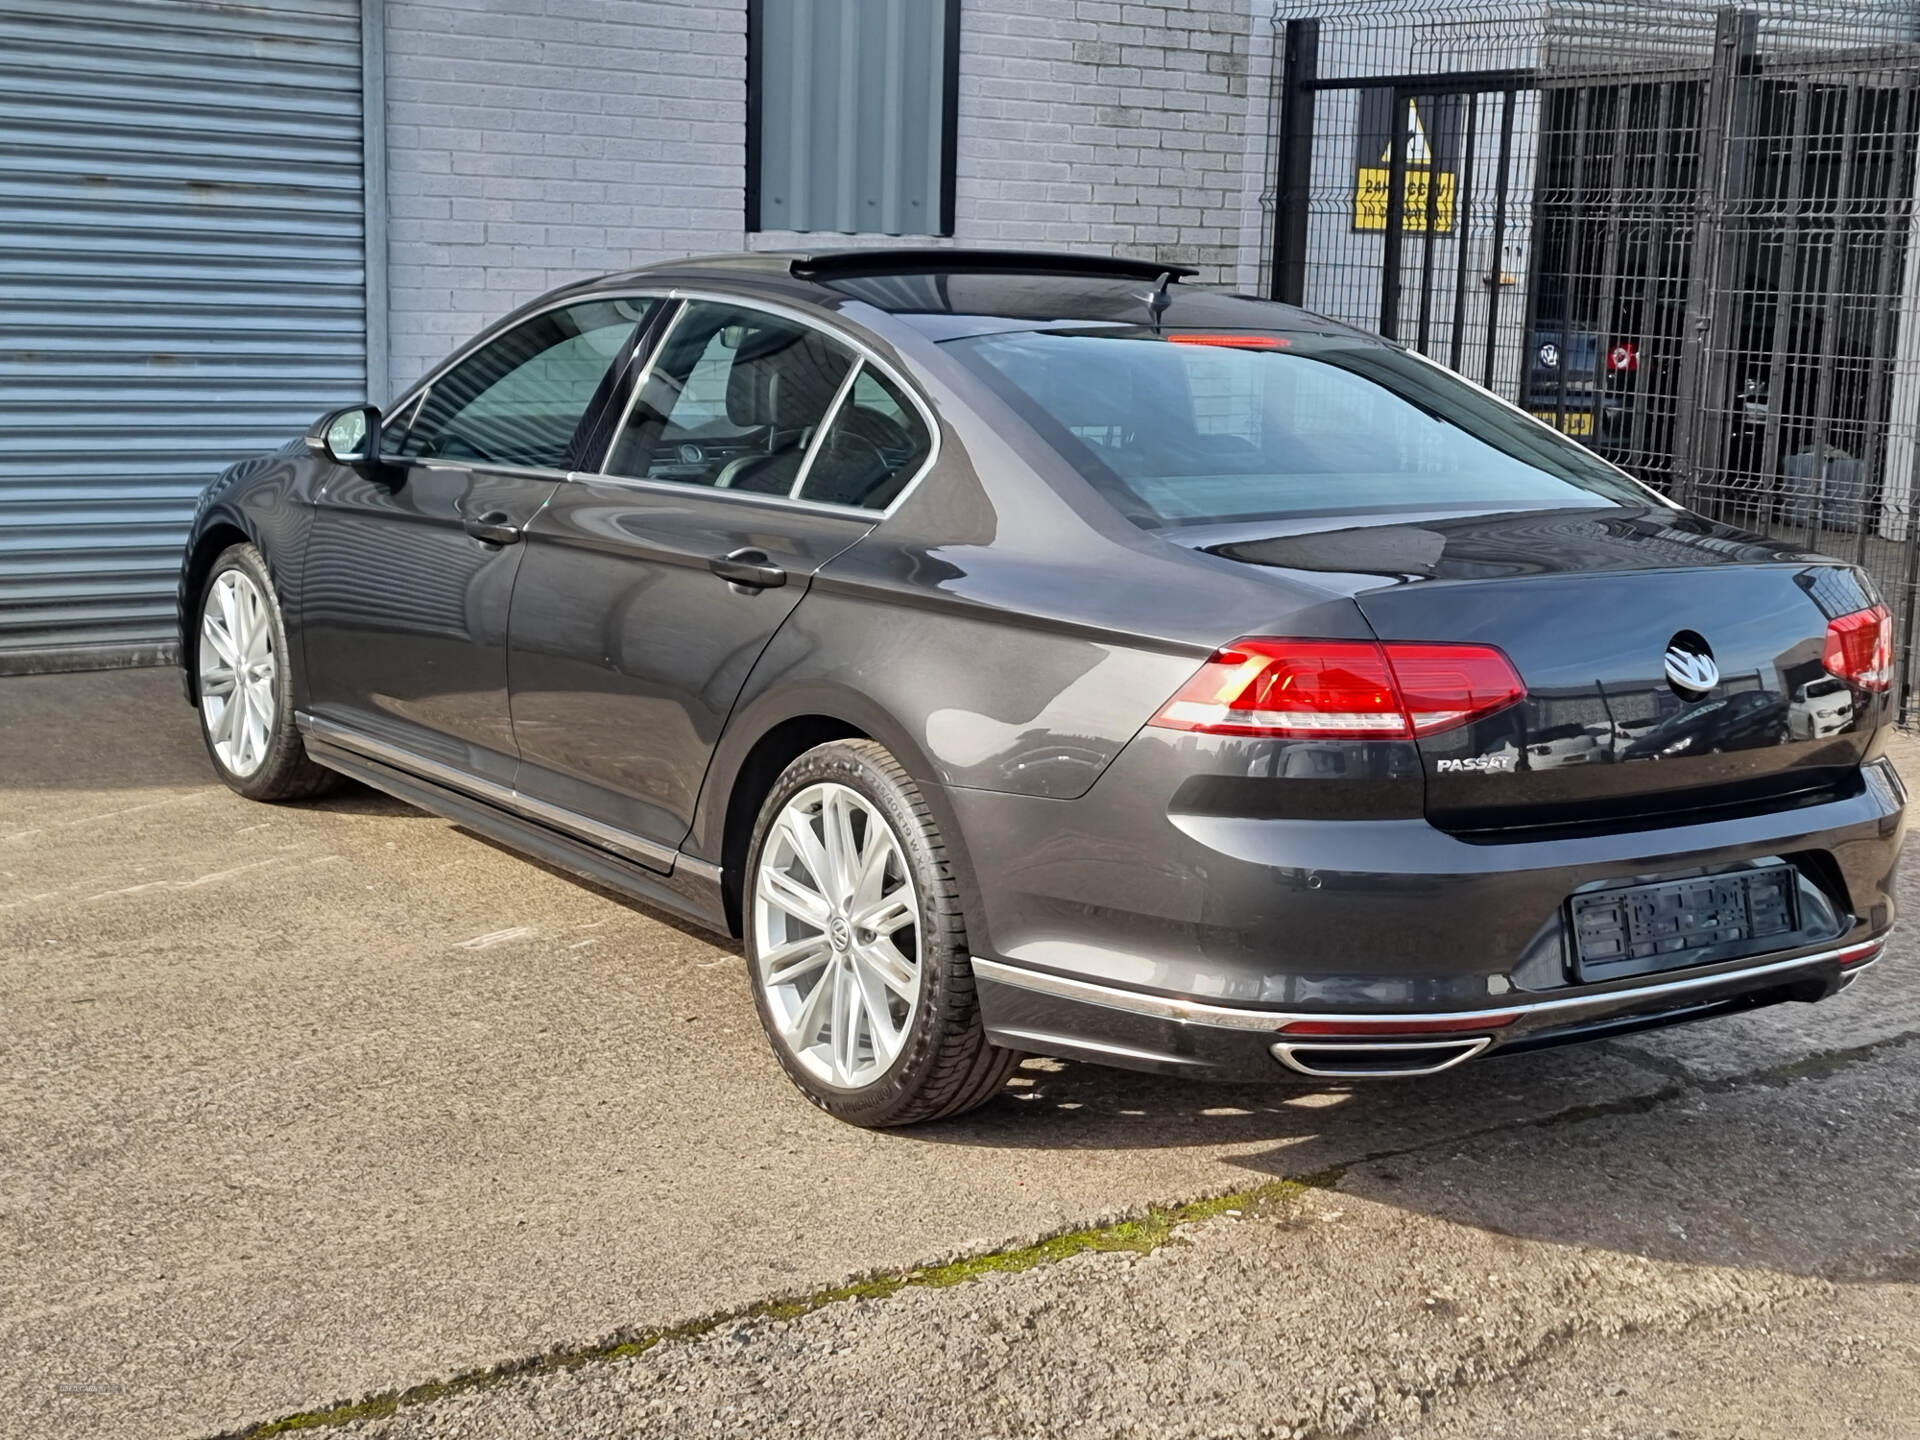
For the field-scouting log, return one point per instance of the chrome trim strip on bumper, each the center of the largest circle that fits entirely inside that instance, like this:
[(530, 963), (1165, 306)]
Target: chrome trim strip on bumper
[(1298, 1056), (631, 847), (1199, 1012)]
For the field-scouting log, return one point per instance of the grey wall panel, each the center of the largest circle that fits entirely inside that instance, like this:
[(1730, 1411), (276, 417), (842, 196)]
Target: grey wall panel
[(182, 282), (852, 113)]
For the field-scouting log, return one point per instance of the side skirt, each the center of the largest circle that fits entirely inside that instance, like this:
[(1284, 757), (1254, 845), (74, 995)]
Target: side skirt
[(691, 892)]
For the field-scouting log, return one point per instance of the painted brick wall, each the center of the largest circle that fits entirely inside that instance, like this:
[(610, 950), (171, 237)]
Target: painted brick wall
[(533, 141), (1105, 125)]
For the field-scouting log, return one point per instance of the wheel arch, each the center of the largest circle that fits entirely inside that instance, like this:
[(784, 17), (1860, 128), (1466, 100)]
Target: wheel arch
[(758, 746), (214, 537)]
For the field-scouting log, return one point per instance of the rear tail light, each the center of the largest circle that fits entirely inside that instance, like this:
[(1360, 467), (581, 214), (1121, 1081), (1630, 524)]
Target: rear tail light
[(1342, 689), (1860, 648)]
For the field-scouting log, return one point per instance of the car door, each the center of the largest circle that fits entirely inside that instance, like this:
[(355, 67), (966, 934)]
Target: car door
[(411, 569), (649, 589)]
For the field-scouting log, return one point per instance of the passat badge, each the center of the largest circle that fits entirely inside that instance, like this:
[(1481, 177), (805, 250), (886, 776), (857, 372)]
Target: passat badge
[(1486, 764), (1689, 665)]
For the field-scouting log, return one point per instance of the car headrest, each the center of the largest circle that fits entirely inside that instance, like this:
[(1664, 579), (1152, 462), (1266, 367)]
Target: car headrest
[(783, 379)]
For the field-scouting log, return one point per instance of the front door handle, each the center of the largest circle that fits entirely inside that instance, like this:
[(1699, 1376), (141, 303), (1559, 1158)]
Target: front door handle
[(748, 567), (496, 527)]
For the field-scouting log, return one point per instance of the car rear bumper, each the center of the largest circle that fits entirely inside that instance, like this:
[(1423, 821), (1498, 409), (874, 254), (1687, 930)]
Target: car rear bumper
[(1056, 1015), (1185, 943)]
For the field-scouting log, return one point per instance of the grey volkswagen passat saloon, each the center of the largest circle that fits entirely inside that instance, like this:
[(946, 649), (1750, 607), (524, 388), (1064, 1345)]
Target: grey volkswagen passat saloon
[(1033, 654)]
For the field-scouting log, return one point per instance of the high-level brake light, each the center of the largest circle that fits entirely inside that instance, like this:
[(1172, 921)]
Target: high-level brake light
[(1342, 689), (1859, 648), (1235, 340)]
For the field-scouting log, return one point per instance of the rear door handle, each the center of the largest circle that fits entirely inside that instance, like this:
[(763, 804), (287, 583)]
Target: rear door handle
[(496, 527), (748, 567)]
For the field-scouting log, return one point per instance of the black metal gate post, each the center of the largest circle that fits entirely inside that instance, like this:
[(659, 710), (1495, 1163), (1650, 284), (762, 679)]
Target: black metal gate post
[(1390, 250), (1498, 243), (1293, 187), (1735, 32)]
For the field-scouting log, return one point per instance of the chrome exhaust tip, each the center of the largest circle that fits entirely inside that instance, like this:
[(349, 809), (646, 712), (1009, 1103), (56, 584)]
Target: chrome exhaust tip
[(1377, 1059)]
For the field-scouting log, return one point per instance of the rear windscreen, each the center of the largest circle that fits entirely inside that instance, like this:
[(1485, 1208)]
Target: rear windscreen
[(1182, 431)]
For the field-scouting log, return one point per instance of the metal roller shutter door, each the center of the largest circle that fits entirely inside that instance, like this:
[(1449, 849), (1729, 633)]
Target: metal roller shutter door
[(182, 283)]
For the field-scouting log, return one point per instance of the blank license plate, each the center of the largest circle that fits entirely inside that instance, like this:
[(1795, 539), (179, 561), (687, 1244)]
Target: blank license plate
[(1658, 927)]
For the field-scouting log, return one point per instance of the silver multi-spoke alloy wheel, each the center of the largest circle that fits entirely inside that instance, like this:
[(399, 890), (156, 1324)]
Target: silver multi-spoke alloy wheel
[(837, 935), (238, 669)]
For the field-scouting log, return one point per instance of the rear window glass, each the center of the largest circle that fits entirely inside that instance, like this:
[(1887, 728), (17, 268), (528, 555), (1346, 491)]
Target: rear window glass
[(1193, 433)]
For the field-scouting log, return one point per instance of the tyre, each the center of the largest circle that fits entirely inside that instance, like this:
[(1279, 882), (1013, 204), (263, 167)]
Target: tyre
[(856, 946), (242, 674)]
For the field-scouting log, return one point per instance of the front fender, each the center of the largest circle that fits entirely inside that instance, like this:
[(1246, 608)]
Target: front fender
[(266, 502)]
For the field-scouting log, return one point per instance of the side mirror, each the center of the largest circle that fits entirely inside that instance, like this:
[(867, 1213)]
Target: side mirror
[(348, 437)]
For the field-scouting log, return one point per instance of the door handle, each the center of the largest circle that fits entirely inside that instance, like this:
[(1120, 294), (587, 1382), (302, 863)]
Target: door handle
[(748, 567), (496, 527)]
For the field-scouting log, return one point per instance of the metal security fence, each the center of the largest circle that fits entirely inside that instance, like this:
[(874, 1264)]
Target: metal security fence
[(1682, 235)]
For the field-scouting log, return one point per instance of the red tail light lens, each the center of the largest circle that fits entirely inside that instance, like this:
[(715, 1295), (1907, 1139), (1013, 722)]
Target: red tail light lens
[(1342, 689), (1860, 648)]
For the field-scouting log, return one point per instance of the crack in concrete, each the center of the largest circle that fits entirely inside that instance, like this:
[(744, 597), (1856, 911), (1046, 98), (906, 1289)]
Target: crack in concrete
[(1149, 1230)]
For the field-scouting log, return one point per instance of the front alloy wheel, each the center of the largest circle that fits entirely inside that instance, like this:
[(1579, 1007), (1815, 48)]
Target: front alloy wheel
[(238, 667), (242, 678), (857, 948)]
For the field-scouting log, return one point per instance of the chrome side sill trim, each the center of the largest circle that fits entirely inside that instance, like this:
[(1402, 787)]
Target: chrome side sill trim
[(1299, 1056), (1199, 1012), (631, 847)]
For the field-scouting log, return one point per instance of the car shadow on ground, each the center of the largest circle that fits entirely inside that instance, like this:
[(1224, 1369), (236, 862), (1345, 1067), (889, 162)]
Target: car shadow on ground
[(1812, 1174)]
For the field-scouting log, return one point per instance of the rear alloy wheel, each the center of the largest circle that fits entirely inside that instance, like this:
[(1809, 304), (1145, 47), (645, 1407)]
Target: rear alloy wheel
[(856, 945), (241, 678)]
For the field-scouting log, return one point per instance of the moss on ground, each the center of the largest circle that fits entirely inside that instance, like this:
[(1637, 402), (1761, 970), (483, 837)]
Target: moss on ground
[(1156, 1227)]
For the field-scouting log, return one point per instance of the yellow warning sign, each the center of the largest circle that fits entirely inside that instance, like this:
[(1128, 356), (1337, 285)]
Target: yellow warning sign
[(1430, 179), (1371, 187)]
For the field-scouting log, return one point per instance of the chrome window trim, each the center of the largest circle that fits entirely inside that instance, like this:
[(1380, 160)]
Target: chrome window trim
[(632, 847), (744, 497), (488, 467), (1200, 1012), (827, 417), (864, 353)]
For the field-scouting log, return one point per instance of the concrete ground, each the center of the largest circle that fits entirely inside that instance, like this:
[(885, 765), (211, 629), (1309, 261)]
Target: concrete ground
[(300, 1105)]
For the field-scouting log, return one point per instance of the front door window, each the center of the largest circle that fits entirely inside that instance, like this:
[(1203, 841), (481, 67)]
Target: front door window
[(518, 400)]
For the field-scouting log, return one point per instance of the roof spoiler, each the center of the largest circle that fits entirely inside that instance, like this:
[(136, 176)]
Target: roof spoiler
[(848, 264)]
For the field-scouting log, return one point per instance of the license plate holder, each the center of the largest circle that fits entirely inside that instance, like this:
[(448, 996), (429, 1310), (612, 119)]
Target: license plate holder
[(1635, 929)]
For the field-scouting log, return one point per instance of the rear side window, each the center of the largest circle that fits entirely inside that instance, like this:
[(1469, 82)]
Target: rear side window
[(1269, 426), (875, 444), (518, 399), (733, 401)]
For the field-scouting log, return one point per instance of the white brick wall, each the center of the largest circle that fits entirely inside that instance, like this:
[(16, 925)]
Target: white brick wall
[(530, 142), (1105, 125), (533, 141)]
